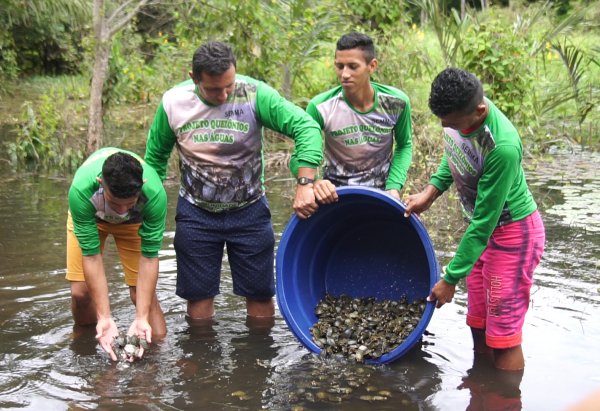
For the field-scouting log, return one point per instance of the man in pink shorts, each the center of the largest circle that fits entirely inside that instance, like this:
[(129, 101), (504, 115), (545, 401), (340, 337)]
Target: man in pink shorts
[(505, 238)]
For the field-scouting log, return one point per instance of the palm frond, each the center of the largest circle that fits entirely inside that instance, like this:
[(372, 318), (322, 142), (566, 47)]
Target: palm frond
[(565, 25), (574, 60)]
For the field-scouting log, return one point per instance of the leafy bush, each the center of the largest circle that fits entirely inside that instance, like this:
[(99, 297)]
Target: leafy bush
[(130, 78), (43, 140), (500, 58), (8, 60)]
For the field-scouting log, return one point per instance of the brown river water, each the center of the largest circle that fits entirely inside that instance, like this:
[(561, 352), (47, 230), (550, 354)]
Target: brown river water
[(47, 364)]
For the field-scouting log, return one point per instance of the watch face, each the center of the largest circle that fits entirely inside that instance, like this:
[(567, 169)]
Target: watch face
[(304, 180)]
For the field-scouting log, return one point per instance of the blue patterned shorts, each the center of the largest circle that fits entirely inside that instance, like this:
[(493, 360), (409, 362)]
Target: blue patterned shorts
[(200, 237)]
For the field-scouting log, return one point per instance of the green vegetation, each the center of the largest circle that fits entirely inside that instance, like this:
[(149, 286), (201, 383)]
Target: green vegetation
[(540, 63)]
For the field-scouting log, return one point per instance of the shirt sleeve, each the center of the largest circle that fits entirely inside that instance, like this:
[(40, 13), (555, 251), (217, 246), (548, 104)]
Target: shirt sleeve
[(160, 142), (501, 167), (278, 114), (442, 178), (84, 222), (402, 151), (153, 224), (312, 111)]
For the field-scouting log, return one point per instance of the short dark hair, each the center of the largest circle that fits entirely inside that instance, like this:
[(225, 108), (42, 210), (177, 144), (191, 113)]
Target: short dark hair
[(455, 91), (123, 175), (356, 40), (213, 58)]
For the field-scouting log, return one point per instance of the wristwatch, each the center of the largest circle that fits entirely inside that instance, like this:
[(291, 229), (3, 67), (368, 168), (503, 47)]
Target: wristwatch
[(304, 181)]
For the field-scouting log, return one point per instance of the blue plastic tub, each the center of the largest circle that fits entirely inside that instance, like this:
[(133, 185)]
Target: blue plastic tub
[(361, 246)]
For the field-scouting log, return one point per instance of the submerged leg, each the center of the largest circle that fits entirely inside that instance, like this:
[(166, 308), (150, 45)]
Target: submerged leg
[(509, 359), (479, 344), (82, 306), (201, 309), (156, 318), (260, 308)]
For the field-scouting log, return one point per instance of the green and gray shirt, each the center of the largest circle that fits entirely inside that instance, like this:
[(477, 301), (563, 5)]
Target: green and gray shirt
[(87, 206), (486, 167), (358, 146), (221, 147)]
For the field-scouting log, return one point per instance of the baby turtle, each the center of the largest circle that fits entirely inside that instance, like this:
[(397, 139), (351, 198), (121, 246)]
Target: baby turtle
[(127, 347), (362, 328)]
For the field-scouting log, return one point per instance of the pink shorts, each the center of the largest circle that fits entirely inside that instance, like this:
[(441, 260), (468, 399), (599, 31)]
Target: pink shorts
[(498, 287)]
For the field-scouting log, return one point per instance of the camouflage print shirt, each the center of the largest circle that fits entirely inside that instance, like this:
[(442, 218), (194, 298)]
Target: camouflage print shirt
[(221, 147), (359, 146), (88, 207), (486, 167)]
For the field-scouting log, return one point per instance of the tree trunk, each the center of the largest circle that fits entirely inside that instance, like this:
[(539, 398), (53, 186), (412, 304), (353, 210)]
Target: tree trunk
[(102, 49), (463, 9), (96, 125), (104, 30)]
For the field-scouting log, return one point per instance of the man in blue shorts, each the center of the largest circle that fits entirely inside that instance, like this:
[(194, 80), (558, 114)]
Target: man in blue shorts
[(216, 121)]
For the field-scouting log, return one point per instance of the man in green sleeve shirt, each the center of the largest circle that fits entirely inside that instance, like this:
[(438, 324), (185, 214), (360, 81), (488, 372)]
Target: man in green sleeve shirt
[(367, 126), (216, 121), (115, 192), (505, 238)]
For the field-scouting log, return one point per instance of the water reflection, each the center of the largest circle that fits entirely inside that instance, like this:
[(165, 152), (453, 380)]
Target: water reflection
[(46, 363), (491, 389), (227, 364), (307, 381)]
